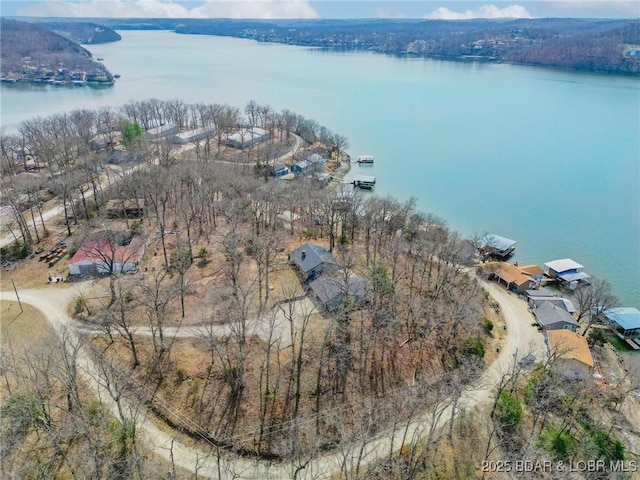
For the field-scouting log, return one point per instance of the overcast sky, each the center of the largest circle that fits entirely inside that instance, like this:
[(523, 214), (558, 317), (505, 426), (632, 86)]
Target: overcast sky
[(457, 9)]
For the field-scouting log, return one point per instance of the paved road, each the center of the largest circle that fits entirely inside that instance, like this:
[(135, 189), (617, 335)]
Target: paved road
[(522, 338)]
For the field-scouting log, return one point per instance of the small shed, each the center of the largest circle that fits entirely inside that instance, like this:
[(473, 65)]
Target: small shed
[(302, 166), (278, 170)]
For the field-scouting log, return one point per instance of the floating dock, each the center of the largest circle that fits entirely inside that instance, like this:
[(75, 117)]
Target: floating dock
[(364, 181), (365, 159)]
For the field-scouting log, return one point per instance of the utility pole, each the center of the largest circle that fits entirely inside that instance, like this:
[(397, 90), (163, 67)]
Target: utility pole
[(17, 296)]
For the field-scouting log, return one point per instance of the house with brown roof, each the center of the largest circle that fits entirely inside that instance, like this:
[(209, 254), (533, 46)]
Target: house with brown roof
[(509, 275), (569, 354)]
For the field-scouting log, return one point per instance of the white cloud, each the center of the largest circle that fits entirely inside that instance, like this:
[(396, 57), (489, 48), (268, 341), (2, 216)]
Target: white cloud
[(168, 9), (485, 11), (256, 9)]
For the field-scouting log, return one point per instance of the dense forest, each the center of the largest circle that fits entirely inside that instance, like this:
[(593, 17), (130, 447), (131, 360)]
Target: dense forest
[(33, 52), (607, 46)]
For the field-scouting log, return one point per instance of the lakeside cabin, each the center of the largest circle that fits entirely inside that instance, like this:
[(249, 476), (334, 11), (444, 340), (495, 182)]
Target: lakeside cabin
[(624, 322), (366, 182), (194, 135), (162, 131), (365, 159), (497, 246), (246, 137)]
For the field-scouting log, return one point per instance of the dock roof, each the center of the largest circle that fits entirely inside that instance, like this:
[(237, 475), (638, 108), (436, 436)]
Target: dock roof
[(563, 265), (497, 242), (364, 178), (627, 317)]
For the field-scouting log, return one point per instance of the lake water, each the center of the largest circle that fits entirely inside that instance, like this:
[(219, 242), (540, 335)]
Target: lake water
[(548, 158)]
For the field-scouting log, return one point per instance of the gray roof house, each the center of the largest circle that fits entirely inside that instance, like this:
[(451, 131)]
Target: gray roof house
[(331, 292), (162, 131), (552, 317), (311, 260), (563, 303)]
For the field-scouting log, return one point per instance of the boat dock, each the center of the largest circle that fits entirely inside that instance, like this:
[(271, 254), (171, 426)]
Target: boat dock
[(365, 159), (364, 181)]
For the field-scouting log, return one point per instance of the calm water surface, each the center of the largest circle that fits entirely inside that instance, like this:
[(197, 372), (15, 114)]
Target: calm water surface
[(548, 158)]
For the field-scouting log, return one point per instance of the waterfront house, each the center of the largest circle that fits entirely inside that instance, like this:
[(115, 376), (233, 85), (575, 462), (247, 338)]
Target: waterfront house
[(311, 260), (332, 292), (246, 137), (108, 253), (568, 273), (497, 246), (162, 131), (569, 354), (624, 321), (538, 293), (194, 135), (563, 303), (510, 276), (551, 317)]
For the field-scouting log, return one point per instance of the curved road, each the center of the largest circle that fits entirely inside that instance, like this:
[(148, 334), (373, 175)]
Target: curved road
[(521, 339)]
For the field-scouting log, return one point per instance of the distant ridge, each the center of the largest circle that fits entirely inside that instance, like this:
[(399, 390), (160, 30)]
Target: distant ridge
[(30, 52)]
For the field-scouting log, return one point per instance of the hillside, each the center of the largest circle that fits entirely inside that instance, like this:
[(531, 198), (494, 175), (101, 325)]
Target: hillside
[(84, 32), (33, 53), (593, 45)]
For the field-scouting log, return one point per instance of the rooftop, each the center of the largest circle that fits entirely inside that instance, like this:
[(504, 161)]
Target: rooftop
[(364, 178), (104, 250), (548, 314), (497, 242), (541, 292), (327, 288), (510, 273), (569, 345), (314, 255), (563, 265), (627, 317)]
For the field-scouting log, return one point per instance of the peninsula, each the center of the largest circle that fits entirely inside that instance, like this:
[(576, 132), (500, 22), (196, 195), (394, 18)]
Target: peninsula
[(33, 53)]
